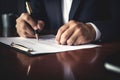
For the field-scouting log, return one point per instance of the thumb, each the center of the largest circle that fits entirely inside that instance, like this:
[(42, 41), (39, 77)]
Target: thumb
[(40, 25)]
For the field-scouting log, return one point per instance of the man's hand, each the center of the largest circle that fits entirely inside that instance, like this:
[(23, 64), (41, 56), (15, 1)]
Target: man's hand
[(75, 33), (25, 25)]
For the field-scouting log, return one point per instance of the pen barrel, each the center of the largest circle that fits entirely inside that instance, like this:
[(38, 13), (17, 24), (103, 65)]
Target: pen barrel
[(29, 10), (28, 7)]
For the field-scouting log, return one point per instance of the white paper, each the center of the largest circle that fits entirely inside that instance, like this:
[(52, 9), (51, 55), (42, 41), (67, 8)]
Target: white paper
[(46, 44)]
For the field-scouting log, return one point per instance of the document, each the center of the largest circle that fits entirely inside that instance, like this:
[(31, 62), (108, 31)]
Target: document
[(46, 44)]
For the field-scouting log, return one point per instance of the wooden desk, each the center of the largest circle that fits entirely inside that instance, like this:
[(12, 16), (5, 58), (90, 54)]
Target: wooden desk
[(87, 64)]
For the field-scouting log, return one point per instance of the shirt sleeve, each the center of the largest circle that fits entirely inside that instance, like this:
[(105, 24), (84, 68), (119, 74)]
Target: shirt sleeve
[(98, 33)]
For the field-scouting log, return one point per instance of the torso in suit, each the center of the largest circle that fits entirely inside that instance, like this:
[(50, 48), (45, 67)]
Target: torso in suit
[(95, 11)]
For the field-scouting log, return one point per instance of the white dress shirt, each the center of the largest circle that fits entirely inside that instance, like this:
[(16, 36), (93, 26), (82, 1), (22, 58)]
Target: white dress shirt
[(66, 7)]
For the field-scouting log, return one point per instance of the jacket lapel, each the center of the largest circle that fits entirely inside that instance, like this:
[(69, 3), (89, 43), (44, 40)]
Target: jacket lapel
[(54, 13), (59, 12), (74, 8)]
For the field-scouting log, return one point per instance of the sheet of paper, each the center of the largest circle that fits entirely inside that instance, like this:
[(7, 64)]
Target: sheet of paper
[(46, 44)]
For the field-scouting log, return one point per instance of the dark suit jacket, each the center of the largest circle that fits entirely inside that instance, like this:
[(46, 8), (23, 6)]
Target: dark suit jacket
[(98, 12)]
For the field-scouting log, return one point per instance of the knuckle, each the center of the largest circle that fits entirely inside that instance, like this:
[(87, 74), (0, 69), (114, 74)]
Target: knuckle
[(17, 20), (27, 17), (76, 25), (61, 29), (23, 14), (64, 36), (72, 21), (78, 30)]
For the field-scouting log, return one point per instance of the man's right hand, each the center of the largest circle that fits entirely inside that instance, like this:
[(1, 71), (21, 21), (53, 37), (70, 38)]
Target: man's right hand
[(25, 23)]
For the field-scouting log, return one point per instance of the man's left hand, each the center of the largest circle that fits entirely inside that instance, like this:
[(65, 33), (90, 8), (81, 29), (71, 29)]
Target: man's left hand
[(75, 33)]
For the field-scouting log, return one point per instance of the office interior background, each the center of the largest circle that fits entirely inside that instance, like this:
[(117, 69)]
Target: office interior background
[(11, 6)]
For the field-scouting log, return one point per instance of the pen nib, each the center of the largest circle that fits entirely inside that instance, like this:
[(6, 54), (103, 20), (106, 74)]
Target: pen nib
[(37, 37)]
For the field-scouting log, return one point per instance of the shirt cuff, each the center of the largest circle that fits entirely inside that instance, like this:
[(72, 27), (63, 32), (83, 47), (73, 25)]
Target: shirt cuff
[(98, 33)]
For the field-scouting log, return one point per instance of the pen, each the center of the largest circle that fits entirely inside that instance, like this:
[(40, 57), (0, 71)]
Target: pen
[(21, 47), (29, 10)]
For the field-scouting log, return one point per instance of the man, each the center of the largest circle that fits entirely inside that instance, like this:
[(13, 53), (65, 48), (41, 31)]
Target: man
[(73, 21)]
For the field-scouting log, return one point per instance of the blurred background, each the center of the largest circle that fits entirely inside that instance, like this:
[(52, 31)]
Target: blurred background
[(14, 7)]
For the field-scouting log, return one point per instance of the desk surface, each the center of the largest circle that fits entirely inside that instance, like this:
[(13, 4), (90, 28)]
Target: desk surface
[(87, 64)]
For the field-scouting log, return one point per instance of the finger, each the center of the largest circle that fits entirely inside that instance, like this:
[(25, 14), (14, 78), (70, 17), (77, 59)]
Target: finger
[(20, 29), (80, 40), (62, 40), (73, 23), (23, 28), (73, 38), (60, 31), (85, 35), (40, 24), (29, 31), (26, 35), (30, 35), (75, 26), (23, 34), (66, 35), (27, 18)]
